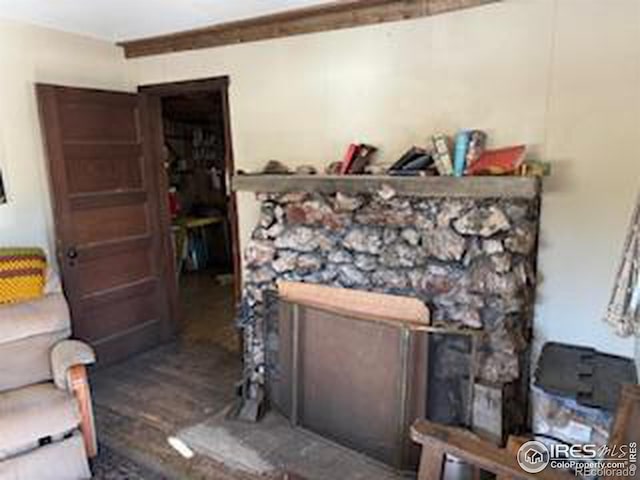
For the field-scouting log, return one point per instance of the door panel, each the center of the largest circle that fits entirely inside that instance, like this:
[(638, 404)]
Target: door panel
[(110, 245)]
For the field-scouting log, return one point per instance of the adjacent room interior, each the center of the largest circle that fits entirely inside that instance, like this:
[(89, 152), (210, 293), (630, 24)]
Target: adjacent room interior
[(319, 240)]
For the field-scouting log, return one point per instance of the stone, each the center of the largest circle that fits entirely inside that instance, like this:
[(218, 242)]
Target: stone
[(293, 197), (483, 278), (303, 239), (364, 240), (492, 246), (390, 279), (515, 210), (521, 239), (389, 235), (285, 261), (443, 244), (350, 276), (259, 252), (260, 275), (315, 212), (482, 221), (325, 276), (449, 211), (500, 368), (267, 215), (274, 230), (348, 203), (308, 262), (501, 262), (467, 316), (424, 222), (400, 254), (386, 192), (366, 262), (340, 256), (411, 236)]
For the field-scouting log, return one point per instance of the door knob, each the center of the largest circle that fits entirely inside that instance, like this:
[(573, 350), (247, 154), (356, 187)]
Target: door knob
[(72, 254)]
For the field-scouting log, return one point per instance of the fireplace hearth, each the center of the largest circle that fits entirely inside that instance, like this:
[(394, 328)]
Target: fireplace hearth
[(470, 259)]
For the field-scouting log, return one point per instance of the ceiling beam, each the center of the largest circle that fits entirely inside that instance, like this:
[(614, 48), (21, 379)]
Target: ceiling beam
[(332, 16)]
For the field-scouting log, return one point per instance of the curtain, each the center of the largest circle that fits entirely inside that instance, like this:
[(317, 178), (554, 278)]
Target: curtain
[(623, 309)]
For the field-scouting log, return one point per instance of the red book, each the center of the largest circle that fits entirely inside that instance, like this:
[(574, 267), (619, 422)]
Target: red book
[(498, 162), (350, 156)]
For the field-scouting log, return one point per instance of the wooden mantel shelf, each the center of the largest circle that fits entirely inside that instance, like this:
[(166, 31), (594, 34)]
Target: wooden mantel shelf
[(463, 187)]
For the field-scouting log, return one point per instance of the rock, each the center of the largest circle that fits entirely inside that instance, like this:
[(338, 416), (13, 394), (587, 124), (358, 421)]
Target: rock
[(340, 256), (293, 197), (424, 222), (315, 212), (483, 278), (400, 254), (348, 203), (390, 279), (350, 276), (366, 262), (501, 262), (522, 238), (389, 235), (308, 262), (274, 230), (515, 210), (482, 221), (385, 217), (500, 368), (326, 276), (285, 261), (303, 239), (260, 275), (267, 215), (469, 317), (364, 240), (259, 252), (386, 192), (411, 236), (492, 246), (443, 244), (449, 211)]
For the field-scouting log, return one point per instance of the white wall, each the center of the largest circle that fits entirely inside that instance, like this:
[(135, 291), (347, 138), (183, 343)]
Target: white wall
[(560, 75), (29, 55)]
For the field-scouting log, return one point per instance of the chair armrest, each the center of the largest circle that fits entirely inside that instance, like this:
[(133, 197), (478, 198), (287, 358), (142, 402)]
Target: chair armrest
[(67, 354)]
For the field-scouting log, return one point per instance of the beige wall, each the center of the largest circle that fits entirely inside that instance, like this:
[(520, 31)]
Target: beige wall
[(29, 55), (562, 76)]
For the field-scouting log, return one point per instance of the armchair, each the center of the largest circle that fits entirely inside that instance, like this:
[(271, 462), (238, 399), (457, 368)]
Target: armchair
[(46, 418)]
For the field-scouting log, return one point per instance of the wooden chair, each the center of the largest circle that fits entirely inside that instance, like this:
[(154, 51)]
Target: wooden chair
[(438, 441)]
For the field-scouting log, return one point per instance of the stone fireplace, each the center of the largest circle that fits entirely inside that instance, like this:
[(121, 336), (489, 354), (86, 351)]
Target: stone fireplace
[(465, 247)]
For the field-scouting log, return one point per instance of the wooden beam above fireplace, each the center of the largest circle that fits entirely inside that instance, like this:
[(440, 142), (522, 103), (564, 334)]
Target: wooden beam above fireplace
[(445, 187), (331, 16)]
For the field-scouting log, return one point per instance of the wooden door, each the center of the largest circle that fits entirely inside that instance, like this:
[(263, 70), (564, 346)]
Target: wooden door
[(111, 247)]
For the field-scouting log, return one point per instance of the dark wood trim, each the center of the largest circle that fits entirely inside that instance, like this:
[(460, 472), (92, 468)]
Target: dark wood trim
[(463, 187), (332, 16), (154, 94)]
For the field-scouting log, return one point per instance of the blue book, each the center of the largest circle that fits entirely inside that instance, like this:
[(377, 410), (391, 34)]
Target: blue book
[(460, 158)]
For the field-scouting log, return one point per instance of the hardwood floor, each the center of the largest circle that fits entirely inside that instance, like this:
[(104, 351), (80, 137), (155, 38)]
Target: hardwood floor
[(145, 399)]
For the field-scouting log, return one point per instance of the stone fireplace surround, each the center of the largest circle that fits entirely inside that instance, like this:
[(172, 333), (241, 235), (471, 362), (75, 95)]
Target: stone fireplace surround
[(466, 247)]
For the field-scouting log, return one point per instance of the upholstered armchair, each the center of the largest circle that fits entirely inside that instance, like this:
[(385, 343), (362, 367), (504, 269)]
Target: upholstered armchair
[(46, 418)]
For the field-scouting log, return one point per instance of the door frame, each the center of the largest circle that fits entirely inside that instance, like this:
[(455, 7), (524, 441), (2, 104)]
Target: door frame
[(152, 95)]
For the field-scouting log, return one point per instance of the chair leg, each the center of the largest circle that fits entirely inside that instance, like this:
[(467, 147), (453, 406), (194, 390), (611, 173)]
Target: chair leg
[(80, 386), (431, 463)]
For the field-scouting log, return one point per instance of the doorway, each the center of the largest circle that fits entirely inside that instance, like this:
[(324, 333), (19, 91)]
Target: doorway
[(195, 160)]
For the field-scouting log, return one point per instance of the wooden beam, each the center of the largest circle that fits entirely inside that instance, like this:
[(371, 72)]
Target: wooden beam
[(332, 16), (429, 187)]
